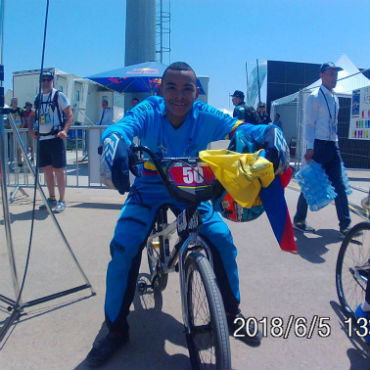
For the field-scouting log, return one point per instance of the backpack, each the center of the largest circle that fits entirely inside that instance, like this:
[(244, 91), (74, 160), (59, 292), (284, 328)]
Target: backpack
[(53, 105)]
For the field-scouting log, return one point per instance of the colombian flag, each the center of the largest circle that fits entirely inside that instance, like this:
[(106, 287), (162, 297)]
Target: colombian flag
[(274, 203)]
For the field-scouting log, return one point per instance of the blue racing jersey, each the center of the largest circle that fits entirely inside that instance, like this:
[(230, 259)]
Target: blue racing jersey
[(148, 122)]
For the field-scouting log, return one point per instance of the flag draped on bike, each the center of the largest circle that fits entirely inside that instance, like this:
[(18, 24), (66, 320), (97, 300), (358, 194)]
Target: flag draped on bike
[(249, 180)]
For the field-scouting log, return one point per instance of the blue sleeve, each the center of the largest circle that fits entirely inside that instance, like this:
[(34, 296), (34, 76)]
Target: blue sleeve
[(220, 124), (134, 123)]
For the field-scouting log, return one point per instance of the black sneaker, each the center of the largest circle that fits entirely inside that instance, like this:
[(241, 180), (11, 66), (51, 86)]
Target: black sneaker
[(301, 226), (237, 328), (105, 348)]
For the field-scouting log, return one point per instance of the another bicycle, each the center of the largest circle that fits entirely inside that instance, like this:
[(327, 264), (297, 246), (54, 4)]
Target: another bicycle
[(353, 267), (189, 181)]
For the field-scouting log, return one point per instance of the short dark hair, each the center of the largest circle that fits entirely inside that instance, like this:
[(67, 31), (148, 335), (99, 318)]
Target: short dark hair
[(178, 66)]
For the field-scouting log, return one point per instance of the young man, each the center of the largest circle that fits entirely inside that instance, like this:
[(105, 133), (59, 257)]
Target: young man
[(321, 121), (263, 116), (17, 114), (173, 125), (239, 104), (52, 132)]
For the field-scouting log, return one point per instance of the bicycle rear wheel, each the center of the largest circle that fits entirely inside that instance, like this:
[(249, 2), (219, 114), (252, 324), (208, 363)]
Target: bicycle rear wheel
[(208, 340), (352, 271)]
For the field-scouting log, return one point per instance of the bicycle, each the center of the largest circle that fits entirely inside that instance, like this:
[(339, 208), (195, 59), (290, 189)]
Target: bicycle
[(203, 312), (353, 267)]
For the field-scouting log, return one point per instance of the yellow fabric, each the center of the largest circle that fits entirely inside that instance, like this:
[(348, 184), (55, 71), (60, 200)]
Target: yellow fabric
[(241, 174)]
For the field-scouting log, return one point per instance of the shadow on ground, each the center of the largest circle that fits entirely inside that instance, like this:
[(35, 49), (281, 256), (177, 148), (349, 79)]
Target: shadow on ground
[(359, 355), (150, 328), (313, 247)]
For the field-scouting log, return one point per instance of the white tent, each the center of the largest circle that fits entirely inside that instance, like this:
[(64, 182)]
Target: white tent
[(291, 107)]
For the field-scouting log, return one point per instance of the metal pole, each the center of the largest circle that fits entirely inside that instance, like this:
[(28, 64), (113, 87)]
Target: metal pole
[(258, 82), (247, 82), (4, 191)]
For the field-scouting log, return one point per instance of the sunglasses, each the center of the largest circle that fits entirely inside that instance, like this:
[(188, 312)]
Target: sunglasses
[(46, 79)]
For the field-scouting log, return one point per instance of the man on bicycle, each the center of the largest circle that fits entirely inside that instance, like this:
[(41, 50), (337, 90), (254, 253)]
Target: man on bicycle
[(173, 125)]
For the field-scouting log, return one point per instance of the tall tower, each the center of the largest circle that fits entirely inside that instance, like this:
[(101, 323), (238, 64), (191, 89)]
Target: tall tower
[(140, 31)]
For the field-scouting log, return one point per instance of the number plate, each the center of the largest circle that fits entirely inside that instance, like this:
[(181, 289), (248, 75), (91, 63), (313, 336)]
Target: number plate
[(198, 175)]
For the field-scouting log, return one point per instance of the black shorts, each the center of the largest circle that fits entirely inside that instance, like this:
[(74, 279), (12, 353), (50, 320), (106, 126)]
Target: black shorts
[(52, 153)]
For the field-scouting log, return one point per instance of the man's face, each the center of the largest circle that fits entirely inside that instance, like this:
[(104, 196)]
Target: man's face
[(261, 109), (14, 103), (46, 84), (28, 107), (179, 90), (105, 105), (329, 78), (236, 100)]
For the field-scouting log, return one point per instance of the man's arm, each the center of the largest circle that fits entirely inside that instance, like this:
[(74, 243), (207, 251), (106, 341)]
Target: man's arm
[(310, 122), (69, 118)]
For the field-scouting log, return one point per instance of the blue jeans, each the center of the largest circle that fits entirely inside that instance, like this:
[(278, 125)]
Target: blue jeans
[(327, 153), (132, 228)]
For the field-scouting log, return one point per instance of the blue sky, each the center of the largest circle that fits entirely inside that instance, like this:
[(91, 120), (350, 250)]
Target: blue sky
[(217, 37)]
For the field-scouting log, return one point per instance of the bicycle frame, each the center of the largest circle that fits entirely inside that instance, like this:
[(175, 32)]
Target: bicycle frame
[(178, 255), (189, 240)]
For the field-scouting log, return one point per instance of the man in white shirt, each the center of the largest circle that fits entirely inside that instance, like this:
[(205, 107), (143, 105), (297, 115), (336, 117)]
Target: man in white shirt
[(106, 117), (321, 124), (54, 117)]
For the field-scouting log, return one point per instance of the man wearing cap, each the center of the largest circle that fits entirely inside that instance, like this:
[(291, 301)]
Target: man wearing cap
[(321, 139), (238, 101), (55, 118), (264, 118)]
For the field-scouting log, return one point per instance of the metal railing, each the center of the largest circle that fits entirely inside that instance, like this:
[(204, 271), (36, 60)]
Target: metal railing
[(83, 163)]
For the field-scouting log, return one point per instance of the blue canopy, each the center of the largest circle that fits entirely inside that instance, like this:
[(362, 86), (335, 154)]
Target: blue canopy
[(143, 77)]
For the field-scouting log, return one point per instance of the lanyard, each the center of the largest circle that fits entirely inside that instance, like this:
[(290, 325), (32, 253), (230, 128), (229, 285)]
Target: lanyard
[(45, 105), (327, 104)]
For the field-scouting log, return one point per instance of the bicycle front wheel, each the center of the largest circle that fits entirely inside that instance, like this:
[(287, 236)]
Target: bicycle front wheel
[(208, 340), (352, 271)]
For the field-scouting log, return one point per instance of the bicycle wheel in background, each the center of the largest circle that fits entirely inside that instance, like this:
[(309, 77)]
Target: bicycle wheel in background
[(208, 340), (352, 271)]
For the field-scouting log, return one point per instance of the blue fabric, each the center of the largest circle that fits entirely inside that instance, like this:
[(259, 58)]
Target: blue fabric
[(134, 223), (148, 122)]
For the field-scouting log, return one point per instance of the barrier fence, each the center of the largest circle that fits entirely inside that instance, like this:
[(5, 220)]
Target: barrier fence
[(83, 160)]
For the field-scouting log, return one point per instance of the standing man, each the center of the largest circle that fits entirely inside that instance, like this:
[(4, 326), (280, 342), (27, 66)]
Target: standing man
[(277, 121), (106, 117), (263, 116), (321, 124), (54, 122), (238, 101), (17, 114)]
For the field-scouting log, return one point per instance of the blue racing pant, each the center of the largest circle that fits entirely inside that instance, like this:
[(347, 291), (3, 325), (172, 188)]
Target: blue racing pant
[(132, 229)]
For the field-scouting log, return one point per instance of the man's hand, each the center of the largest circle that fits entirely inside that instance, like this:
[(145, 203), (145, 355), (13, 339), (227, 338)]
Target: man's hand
[(114, 169), (62, 134), (308, 155)]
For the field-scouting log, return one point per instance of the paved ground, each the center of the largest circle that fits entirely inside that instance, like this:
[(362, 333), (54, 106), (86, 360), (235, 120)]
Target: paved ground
[(59, 334)]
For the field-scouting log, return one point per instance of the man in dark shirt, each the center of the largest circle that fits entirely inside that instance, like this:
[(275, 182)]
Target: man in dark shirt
[(238, 101), (264, 117)]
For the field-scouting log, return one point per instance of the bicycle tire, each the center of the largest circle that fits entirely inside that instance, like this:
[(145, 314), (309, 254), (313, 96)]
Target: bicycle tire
[(202, 292), (351, 273)]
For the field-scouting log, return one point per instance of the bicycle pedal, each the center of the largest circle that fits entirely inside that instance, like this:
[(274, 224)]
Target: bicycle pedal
[(142, 286)]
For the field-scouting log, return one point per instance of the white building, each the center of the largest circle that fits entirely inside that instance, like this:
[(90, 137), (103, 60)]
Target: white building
[(86, 96)]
